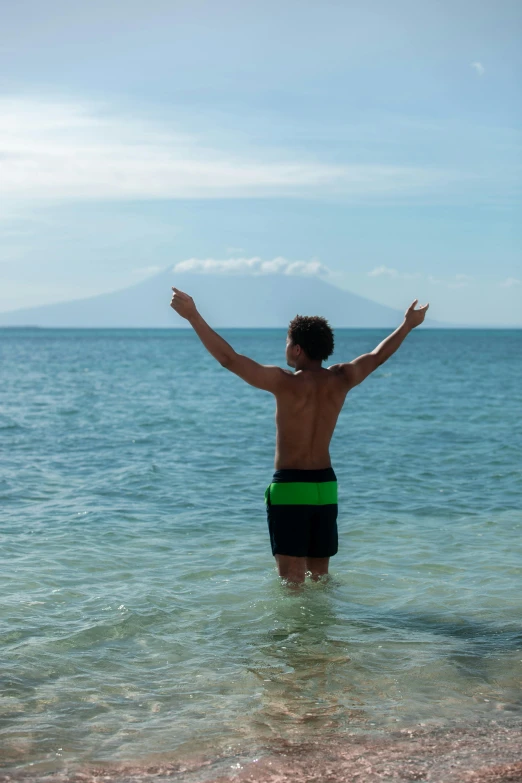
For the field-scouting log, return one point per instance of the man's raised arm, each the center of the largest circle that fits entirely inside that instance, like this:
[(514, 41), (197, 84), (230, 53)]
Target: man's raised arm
[(262, 376), (359, 369)]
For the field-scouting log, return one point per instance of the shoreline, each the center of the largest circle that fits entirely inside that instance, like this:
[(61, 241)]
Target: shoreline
[(485, 752)]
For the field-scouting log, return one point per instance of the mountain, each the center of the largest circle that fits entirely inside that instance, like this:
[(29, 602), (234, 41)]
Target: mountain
[(224, 300)]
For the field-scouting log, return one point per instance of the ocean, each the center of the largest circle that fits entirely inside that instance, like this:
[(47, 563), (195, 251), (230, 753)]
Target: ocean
[(142, 619)]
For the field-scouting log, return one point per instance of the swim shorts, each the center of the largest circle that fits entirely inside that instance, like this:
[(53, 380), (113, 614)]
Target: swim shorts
[(301, 507)]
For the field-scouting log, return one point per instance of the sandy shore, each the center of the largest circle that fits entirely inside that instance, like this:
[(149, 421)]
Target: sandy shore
[(460, 755), (486, 753)]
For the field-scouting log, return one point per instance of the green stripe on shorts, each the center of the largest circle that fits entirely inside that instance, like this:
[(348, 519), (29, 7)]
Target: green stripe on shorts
[(302, 493)]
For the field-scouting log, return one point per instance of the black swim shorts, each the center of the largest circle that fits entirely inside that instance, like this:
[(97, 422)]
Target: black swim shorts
[(301, 507)]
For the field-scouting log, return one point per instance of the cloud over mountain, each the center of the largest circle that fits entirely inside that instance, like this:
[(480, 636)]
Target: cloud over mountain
[(253, 266)]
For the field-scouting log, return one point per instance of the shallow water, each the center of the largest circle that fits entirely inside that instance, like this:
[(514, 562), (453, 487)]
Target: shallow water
[(142, 613)]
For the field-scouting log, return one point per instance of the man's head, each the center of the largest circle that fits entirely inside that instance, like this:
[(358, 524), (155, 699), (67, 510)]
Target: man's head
[(310, 335)]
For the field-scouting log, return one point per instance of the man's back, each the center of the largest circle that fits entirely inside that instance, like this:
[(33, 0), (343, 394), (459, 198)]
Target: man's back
[(308, 406)]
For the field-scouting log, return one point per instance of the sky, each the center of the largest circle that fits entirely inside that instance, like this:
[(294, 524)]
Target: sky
[(375, 143)]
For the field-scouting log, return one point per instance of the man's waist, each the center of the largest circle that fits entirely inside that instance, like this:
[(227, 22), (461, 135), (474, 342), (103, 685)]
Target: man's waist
[(315, 475)]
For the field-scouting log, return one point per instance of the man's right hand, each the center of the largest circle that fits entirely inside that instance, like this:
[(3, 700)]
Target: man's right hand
[(183, 304), (415, 317)]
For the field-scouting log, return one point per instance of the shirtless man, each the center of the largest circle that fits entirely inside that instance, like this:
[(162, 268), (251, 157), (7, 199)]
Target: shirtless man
[(302, 497)]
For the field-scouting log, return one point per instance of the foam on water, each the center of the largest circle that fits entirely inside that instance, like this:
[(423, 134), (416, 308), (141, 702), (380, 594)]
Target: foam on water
[(142, 616)]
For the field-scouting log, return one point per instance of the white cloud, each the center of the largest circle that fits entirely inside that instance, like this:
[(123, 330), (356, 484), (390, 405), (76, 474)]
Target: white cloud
[(510, 281), (479, 68), (306, 268), (64, 150), (253, 266)]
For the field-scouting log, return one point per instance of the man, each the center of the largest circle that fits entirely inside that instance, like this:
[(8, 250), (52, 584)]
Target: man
[(302, 497)]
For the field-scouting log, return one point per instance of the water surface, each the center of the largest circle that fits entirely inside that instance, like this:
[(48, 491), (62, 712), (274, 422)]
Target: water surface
[(142, 616)]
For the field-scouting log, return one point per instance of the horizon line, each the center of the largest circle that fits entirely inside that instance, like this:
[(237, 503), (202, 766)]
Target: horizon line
[(506, 327)]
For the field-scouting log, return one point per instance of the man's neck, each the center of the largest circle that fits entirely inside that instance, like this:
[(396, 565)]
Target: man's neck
[(312, 367)]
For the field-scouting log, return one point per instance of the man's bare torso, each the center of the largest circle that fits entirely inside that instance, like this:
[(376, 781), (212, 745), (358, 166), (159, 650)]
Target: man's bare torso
[(308, 407)]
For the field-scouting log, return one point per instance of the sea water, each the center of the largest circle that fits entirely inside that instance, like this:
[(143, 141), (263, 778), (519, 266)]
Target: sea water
[(141, 614)]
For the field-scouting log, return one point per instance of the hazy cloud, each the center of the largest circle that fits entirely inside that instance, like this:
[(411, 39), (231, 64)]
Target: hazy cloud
[(253, 266), (458, 281), (383, 270), (510, 281), (146, 271), (65, 150), (386, 271), (479, 68)]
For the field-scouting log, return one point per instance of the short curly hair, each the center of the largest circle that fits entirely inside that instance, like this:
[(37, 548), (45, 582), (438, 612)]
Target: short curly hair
[(314, 334)]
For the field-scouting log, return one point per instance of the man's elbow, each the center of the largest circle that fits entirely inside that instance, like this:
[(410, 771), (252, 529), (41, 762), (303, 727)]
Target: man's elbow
[(227, 360), (377, 359)]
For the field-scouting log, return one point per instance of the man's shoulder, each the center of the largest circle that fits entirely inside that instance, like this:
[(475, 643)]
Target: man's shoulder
[(287, 377), (335, 369), (284, 377), (344, 372)]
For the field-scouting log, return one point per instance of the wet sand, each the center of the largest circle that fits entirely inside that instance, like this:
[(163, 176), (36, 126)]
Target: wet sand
[(484, 753), (460, 755)]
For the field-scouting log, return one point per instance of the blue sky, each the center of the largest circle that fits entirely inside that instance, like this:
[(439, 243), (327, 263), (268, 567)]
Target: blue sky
[(377, 143)]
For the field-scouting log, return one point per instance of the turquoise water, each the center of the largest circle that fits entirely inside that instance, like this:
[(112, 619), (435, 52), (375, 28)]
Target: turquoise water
[(142, 616)]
